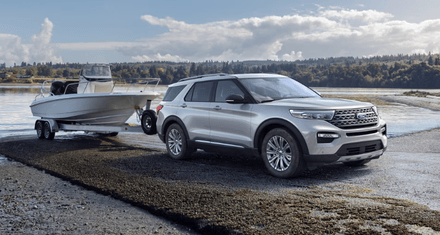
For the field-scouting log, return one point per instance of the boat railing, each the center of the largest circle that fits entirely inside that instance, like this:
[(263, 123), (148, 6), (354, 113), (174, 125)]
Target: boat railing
[(146, 81), (44, 90), (73, 84)]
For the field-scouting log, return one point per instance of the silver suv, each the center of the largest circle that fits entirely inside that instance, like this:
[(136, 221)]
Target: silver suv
[(286, 123)]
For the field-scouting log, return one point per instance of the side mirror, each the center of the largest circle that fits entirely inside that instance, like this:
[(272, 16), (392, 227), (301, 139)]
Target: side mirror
[(235, 99)]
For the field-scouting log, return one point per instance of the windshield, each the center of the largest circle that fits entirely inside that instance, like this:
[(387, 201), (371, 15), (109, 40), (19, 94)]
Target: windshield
[(97, 71), (275, 88)]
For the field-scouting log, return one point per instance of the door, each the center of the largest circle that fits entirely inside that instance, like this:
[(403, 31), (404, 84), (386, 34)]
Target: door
[(230, 123), (194, 110)]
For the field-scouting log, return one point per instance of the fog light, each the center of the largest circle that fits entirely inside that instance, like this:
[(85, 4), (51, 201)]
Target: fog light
[(325, 138), (383, 130), (328, 135)]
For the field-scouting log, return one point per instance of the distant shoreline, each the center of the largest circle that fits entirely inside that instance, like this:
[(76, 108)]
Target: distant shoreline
[(20, 84)]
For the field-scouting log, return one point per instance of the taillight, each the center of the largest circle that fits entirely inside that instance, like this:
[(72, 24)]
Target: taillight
[(158, 108)]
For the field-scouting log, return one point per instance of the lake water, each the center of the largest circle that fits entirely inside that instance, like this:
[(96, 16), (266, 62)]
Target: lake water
[(16, 118)]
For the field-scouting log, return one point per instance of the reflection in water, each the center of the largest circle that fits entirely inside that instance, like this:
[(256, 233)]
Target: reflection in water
[(16, 118), (403, 119)]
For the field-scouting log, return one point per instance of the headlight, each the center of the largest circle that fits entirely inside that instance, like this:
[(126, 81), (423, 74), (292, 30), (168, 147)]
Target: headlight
[(320, 115), (375, 110)]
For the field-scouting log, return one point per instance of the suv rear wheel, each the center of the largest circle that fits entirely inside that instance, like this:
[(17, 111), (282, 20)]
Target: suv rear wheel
[(176, 143), (281, 154)]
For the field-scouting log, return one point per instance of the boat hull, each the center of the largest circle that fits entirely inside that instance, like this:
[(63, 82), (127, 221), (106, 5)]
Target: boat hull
[(92, 108)]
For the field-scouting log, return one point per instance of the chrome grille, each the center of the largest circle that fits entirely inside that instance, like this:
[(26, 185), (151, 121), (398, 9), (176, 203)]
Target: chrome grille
[(348, 118)]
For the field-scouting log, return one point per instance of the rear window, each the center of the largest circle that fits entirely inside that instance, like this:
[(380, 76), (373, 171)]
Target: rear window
[(172, 93)]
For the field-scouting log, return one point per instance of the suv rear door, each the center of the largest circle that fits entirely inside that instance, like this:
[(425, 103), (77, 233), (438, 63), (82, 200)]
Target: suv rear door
[(194, 110)]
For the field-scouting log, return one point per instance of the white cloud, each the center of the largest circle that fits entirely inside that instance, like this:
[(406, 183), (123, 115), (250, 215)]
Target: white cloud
[(11, 48), (158, 57), (40, 50), (366, 15), (293, 56), (331, 32)]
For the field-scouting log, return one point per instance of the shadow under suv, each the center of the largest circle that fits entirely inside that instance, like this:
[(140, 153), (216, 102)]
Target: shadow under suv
[(286, 123)]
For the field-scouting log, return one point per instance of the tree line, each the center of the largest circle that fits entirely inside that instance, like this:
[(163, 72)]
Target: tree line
[(393, 71)]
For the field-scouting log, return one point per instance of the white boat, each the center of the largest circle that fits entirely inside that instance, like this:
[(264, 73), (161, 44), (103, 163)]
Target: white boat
[(91, 100)]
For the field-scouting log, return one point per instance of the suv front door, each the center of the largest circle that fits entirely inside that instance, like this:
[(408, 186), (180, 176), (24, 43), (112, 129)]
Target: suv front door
[(230, 123)]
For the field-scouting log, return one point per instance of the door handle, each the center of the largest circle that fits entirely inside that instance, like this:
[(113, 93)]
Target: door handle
[(217, 107), (183, 105)]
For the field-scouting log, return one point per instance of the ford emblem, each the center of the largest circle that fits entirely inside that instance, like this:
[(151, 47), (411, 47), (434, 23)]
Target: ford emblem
[(361, 116)]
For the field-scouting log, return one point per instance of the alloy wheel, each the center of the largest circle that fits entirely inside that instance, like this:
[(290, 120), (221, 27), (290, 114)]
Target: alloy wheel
[(279, 153)]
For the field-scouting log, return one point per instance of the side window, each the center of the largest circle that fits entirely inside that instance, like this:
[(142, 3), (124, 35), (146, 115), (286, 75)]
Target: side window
[(200, 92), (226, 88), (189, 95), (172, 93)]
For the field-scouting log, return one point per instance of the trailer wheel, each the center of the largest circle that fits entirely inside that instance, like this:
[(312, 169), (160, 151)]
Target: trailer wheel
[(149, 122), (39, 127), (49, 135)]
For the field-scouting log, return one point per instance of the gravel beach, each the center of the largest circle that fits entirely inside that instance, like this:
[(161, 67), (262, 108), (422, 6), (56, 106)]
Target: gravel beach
[(101, 185)]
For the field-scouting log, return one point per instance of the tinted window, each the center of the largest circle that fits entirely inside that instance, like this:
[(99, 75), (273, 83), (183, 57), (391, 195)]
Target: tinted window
[(172, 92), (189, 95), (201, 92), (225, 89)]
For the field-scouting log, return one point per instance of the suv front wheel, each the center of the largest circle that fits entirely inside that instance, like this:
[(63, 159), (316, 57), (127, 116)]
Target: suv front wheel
[(176, 142), (281, 154)]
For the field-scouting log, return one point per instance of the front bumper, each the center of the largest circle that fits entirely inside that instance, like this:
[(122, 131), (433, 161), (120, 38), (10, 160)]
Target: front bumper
[(350, 145), (350, 152)]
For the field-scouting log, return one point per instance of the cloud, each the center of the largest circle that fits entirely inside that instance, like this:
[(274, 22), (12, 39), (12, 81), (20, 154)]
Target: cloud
[(293, 56), (330, 32), (367, 15), (158, 57), (12, 50)]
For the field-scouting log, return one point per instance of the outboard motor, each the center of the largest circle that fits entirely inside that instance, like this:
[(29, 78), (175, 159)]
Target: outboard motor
[(71, 87)]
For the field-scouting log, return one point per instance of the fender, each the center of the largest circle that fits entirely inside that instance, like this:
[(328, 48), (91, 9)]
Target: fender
[(166, 125), (280, 122)]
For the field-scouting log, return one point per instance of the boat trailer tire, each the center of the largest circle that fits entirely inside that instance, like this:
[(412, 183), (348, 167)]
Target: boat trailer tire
[(39, 127), (49, 135), (149, 122)]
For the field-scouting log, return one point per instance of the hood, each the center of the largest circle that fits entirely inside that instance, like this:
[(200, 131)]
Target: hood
[(318, 103)]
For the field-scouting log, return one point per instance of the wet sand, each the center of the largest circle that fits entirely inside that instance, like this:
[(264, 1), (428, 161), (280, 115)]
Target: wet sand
[(218, 194)]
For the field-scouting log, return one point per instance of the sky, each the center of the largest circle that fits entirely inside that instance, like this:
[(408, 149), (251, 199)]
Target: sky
[(198, 30)]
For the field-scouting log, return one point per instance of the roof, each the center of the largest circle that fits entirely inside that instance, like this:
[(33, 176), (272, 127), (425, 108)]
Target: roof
[(207, 77)]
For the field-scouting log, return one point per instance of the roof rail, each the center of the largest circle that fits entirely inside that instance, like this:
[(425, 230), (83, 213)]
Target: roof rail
[(202, 76)]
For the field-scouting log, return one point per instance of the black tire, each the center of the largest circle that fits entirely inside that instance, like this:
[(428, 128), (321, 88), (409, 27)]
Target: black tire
[(357, 163), (39, 128), (149, 122), (281, 154), (176, 142), (46, 131)]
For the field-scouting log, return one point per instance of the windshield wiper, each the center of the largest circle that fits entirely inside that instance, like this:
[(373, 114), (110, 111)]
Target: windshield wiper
[(268, 100)]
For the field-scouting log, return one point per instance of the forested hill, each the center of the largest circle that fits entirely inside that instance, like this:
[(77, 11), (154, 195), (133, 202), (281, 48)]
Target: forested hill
[(395, 71)]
